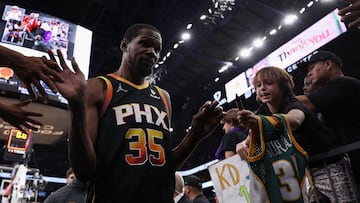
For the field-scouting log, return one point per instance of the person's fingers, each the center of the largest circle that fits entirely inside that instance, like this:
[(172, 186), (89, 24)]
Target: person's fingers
[(243, 154), (344, 10), (62, 60), (20, 127), (25, 102), (33, 121), (51, 66), (75, 66), (213, 104), (30, 126), (50, 84), (29, 113), (51, 55), (354, 22), (30, 90), (40, 88)]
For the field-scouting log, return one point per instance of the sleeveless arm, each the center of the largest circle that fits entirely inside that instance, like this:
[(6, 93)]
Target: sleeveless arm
[(84, 127), (202, 125)]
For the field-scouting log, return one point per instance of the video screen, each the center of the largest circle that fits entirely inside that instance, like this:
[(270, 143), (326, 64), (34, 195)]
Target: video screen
[(32, 33), (36, 30)]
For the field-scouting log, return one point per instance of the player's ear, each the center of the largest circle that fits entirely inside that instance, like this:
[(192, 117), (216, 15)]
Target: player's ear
[(124, 45)]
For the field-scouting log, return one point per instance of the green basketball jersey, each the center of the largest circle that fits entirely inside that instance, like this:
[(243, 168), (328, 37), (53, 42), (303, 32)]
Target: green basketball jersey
[(277, 164)]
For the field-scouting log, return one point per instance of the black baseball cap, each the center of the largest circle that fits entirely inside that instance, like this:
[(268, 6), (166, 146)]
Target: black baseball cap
[(193, 181), (323, 56)]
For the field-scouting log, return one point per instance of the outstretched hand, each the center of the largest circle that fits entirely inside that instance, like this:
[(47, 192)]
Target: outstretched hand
[(18, 117), (73, 86), (247, 119), (206, 119), (31, 70), (351, 13)]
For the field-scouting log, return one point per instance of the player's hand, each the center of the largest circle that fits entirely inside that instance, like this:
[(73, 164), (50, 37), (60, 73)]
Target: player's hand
[(73, 87), (206, 119)]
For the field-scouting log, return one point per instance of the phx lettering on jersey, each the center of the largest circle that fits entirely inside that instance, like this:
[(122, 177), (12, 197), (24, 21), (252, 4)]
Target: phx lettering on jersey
[(125, 111)]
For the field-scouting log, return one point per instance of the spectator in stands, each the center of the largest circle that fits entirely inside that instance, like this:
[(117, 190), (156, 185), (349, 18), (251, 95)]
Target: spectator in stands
[(74, 191), (179, 196), (309, 86), (193, 189), (274, 88), (14, 13), (234, 134), (336, 99)]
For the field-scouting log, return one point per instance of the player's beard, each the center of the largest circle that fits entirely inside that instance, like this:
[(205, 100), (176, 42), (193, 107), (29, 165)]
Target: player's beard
[(143, 69)]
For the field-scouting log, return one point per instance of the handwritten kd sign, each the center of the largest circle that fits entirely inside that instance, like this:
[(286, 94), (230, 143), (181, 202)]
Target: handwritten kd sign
[(231, 180)]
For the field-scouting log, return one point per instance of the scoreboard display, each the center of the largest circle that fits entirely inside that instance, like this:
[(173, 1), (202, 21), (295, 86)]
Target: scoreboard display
[(18, 145)]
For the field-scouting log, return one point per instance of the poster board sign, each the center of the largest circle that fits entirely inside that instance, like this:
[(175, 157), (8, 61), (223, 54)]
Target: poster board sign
[(231, 180)]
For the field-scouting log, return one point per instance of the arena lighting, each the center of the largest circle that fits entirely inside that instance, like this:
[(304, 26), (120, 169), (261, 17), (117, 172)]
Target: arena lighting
[(168, 54), (273, 31), (258, 42), (290, 19), (302, 11), (310, 4), (188, 27), (186, 36), (217, 11), (203, 17), (225, 66), (324, 30), (244, 53)]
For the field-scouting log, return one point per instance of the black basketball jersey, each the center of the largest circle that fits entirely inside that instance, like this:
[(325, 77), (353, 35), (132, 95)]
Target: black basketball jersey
[(134, 155)]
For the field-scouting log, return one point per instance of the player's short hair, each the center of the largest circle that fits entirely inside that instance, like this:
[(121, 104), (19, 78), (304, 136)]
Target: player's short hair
[(134, 30)]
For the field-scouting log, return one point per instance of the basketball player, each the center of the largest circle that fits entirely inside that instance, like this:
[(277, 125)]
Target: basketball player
[(120, 138)]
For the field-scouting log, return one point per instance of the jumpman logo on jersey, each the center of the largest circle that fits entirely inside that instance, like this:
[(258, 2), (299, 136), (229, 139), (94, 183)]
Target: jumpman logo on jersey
[(120, 88), (153, 94)]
